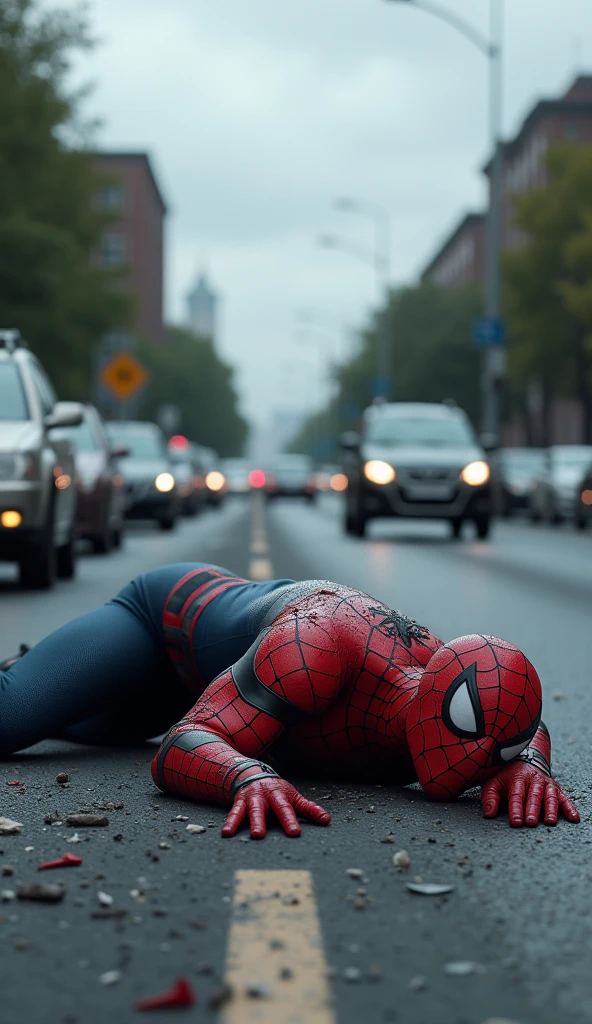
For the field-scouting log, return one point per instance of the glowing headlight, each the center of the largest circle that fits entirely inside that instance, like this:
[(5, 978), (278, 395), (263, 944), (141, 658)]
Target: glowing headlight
[(379, 472), (215, 481), (475, 474), (338, 482), (164, 482)]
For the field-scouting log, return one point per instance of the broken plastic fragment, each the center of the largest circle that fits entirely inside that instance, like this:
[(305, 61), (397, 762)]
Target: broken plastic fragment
[(9, 827), (69, 860), (196, 829), (181, 994), (428, 888)]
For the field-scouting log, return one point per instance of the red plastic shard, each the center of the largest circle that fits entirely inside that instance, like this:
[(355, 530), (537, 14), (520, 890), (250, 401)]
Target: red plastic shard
[(181, 994), (15, 783), (69, 860)]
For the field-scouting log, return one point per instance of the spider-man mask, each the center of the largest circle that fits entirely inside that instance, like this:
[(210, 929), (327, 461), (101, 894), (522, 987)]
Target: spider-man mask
[(477, 707)]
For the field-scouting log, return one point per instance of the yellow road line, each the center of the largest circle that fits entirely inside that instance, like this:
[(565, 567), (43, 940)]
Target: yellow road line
[(275, 926), (260, 565)]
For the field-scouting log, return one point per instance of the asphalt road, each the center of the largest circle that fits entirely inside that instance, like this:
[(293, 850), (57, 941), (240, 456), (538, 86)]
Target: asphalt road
[(519, 915)]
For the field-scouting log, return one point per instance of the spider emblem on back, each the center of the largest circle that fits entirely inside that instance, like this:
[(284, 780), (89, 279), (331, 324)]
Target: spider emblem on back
[(400, 626)]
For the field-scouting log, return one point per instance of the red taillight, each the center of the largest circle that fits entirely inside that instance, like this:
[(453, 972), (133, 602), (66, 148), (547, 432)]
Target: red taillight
[(257, 478), (178, 441)]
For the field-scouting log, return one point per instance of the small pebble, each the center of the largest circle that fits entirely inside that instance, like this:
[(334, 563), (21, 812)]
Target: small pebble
[(418, 983), (180, 817), (110, 977), (286, 973), (105, 899), (257, 990), (7, 869), (21, 943), (460, 968), (196, 830), (164, 846), (87, 820), (374, 972), (402, 860), (62, 778), (43, 892), (352, 974), (9, 827), (219, 996), (6, 895), (354, 872)]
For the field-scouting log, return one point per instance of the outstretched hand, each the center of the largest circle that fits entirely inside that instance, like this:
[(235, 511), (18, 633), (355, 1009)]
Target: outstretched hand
[(253, 802), (528, 791)]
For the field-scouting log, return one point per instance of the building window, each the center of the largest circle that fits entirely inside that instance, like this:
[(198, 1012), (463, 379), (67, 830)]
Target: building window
[(112, 197), (112, 251)]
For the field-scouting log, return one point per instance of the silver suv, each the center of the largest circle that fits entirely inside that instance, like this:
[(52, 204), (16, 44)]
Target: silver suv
[(37, 476), (417, 460)]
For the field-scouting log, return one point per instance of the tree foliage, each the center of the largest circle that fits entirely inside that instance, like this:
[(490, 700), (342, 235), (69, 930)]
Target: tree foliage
[(432, 357), (49, 224), (187, 371), (548, 281)]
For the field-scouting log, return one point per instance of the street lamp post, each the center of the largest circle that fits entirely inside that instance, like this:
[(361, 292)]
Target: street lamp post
[(492, 48), (379, 259), (311, 332)]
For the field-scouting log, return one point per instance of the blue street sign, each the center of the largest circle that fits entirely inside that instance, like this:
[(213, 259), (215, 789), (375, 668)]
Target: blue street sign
[(489, 330)]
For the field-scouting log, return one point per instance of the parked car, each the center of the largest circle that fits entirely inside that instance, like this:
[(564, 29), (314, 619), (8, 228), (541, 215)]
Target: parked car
[(291, 476), (101, 495), (515, 472), (236, 474), (37, 471), (583, 509), (555, 487), (147, 470), (189, 474), (416, 460)]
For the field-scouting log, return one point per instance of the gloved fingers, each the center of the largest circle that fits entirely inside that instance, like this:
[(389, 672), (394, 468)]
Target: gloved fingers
[(491, 797), (306, 809), (235, 817), (537, 792), (284, 812), (257, 806), (568, 808), (516, 801)]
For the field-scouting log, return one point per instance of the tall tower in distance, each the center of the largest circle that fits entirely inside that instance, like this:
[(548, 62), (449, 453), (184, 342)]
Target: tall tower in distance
[(202, 305)]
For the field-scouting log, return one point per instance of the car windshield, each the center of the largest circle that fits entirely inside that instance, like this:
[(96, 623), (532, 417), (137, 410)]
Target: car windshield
[(83, 438), (13, 401), (523, 461), (140, 444), (179, 456), (430, 432), (575, 460)]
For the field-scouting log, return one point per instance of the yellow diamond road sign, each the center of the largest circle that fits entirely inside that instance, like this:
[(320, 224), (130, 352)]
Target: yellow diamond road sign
[(124, 375)]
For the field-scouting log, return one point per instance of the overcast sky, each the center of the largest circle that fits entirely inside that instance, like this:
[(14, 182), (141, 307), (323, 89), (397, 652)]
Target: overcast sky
[(258, 113)]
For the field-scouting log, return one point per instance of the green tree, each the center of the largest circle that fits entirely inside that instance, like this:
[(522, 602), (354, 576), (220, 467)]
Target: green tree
[(186, 370), (49, 223), (432, 357), (548, 283)]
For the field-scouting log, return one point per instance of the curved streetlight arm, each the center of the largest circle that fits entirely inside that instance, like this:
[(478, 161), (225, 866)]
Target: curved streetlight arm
[(470, 33), (349, 246)]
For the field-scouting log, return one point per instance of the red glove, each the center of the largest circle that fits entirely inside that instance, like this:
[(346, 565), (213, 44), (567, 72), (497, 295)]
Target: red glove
[(253, 801), (527, 790)]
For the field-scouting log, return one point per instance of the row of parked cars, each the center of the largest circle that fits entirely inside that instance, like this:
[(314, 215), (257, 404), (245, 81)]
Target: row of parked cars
[(65, 474), (551, 485)]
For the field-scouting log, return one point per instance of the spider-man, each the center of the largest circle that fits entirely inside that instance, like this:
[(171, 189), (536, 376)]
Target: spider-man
[(322, 678)]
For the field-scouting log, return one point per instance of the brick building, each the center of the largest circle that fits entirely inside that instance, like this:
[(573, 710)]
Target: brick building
[(135, 237), (461, 257)]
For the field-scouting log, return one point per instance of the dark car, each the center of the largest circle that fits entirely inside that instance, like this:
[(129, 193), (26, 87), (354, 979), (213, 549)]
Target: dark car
[(189, 474), (515, 471), (215, 481), (556, 486), (416, 460), (291, 476), (101, 497), (583, 511), (147, 471)]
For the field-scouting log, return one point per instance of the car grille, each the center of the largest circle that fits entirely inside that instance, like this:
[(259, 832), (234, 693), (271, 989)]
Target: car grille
[(139, 489), (427, 474)]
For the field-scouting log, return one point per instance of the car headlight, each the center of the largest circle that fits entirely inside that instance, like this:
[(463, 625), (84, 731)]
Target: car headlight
[(379, 472), (475, 474), (215, 481), (164, 482), (18, 467)]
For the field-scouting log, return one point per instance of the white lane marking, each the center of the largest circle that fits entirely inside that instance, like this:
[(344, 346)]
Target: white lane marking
[(260, 565), (275, 941)]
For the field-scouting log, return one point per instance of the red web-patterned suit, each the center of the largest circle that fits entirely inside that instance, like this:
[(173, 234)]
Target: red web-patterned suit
[(340, 685)]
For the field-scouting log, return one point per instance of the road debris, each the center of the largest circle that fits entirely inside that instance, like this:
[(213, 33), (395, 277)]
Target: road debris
[(105, 899), (418, 983), (352, 974), (428, 888), (218, 997), (460, 968), (87, 820), (180, 817), (9, 827), (402, 860), (110, 977), (42, 892), (108, 913), (354, 872), (181, 994), (196, 830), (286, 973), (69, 860), (6, 895), (7, 869), (14, 783), (74, 839), (62, 778)]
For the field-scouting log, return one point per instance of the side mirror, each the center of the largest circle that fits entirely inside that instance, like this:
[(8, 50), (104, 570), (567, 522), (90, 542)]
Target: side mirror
[(65, 414), (350, 441), (119, 451)]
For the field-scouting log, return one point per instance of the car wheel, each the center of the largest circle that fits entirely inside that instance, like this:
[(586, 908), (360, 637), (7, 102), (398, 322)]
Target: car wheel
[(456, 527), (167, 524), (483, 526), (66, 560), (359, 520), (38, 564), (104, 542), (533, 515)]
